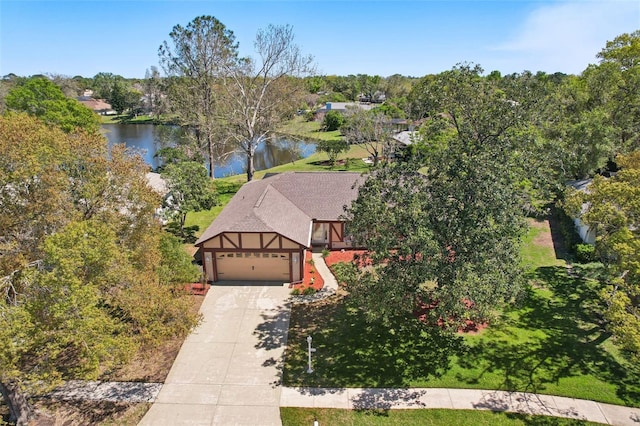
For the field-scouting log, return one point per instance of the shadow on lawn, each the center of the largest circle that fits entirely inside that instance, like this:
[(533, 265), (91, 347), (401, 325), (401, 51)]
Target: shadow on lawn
[(369, 354), (567, 345)]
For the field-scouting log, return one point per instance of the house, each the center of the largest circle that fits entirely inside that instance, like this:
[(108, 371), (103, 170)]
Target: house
[(97, 105), (265, 230), (405, 138), (587, 234)]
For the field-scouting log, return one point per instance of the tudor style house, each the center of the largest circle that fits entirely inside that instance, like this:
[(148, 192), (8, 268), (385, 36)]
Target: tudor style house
[(265, 230)]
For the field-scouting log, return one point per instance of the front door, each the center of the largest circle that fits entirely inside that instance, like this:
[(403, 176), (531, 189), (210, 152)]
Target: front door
[(320, 235)]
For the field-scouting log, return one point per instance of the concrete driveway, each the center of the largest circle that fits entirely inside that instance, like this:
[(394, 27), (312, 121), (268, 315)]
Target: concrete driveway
[(228, 371)]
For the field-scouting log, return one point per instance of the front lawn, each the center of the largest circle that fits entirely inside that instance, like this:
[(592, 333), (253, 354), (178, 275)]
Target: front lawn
[(327, 416), (552, 342)]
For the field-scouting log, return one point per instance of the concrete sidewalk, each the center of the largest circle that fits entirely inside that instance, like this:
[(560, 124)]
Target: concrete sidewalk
[(228, 371), (460, 399)]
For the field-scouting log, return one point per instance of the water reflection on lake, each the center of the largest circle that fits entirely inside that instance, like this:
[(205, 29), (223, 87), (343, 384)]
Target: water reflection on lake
[(145, 139)]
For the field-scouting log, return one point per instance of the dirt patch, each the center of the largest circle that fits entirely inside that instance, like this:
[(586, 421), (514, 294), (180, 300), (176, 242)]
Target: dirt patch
[(69, 413), (544, 238), (151, 364)]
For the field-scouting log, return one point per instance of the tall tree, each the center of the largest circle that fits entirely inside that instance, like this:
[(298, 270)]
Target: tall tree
[(188, 190), (80, 256), (197, 58), (41, 98), (612, 207), (153, 88), (260, 94), (448, 237), (369, 129)]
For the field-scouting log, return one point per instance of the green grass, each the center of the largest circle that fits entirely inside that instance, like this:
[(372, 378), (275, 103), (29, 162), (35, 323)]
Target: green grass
[(336, 417), (536, 255), (309, 130), (140, 119), (552, 342)]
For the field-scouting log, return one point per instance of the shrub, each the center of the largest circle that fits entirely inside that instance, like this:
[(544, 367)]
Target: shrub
[(333, 149), (345, 272), (309, 116), (309, 291), (295, 292), (333, 120), (585, 253), (325, 253)]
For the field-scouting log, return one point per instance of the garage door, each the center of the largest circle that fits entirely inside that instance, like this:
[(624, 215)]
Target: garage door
[(256, 266)]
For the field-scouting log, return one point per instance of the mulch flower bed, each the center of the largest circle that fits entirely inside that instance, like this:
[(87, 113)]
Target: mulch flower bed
[(341, 256), (311, 276), (348, 256), (197, 289)]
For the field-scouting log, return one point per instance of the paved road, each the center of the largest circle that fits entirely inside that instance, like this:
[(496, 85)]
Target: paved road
[(228, 372)]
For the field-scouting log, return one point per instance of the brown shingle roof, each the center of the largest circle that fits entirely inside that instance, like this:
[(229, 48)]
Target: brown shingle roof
[(286, 203)]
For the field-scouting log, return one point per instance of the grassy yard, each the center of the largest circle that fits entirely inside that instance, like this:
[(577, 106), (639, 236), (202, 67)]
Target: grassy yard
[(305, 416), (309, 130), (551, 342)]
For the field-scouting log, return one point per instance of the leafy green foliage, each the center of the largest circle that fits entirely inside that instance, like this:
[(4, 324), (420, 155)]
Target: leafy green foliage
[(333, 149), (613, 209), (585, 253), (80, 258), (448, 237), (333, 120), (189, 189), (177, 266), (41, 98)]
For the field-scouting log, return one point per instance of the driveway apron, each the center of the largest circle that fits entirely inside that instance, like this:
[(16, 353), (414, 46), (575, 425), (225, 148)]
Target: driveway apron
[(228, 371)]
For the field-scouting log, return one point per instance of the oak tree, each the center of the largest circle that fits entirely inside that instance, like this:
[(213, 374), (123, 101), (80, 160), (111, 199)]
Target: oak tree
[(611, 206), (447, 238)]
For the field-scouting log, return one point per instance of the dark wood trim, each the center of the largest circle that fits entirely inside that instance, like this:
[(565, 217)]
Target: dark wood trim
[(261, 242), (230, 241), (251, 250), (270, 241)]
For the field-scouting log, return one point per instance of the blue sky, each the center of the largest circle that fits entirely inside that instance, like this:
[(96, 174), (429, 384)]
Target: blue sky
[(345, 37)]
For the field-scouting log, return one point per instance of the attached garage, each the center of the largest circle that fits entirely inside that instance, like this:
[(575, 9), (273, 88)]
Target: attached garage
[(264, 231), (248, 266)]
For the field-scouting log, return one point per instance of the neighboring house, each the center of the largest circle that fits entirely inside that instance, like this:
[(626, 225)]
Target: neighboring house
[(97, 105), (587, 234), (159, 186), (343, 106), (265, 230), (406, 138)]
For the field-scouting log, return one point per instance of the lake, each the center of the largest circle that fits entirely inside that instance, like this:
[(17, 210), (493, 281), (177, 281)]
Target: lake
[(145, 138)]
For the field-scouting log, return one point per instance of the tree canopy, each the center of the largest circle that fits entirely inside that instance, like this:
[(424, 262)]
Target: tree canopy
[(448, 238), (195, 60), (189, 190), (613, 209), (41, 98), (80, 256)]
